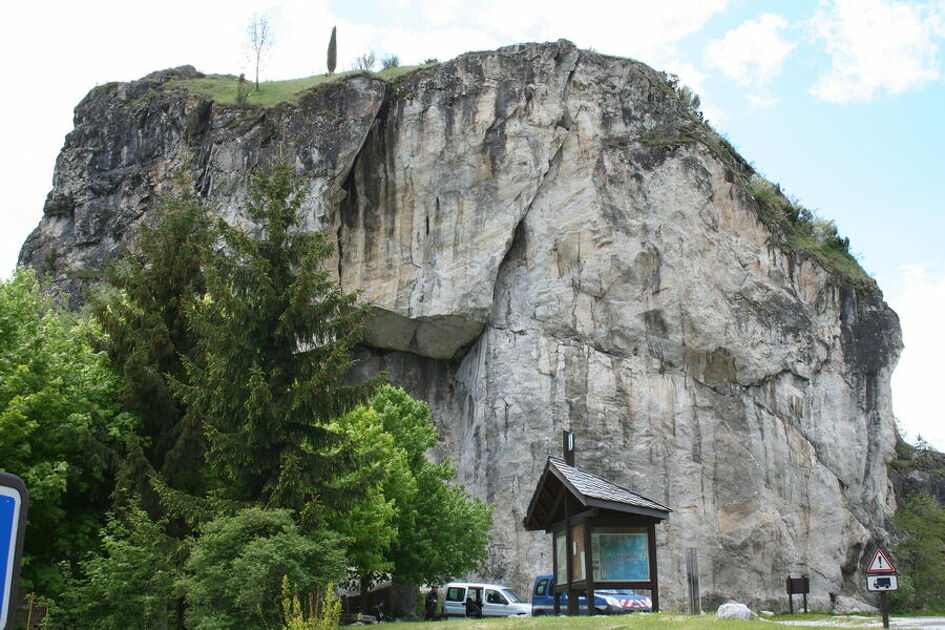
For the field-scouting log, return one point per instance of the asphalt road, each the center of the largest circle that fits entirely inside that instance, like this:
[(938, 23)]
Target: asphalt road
[(900, 623)]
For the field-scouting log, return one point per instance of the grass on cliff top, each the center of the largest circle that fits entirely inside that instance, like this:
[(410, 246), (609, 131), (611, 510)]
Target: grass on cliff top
[(620, 622), (809, 234), (222, 88)]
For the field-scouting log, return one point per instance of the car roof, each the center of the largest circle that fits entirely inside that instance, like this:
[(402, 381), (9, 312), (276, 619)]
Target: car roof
[(497, 587)]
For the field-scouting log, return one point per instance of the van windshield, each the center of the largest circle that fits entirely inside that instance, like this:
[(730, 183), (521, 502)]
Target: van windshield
[(511, 596)]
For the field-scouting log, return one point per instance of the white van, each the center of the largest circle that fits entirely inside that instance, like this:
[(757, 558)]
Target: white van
[(462, 599)]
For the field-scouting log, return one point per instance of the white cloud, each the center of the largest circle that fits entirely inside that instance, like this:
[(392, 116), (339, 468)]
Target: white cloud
[(877, 45), (752, 55), (917, 380)]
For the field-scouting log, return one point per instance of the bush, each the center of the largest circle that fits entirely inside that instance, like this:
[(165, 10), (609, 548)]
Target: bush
[(132, 583), (390, 61), (324, 610), (234, 576), (366, 61)]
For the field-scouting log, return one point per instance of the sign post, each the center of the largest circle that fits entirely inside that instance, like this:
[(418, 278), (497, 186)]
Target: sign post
[(797, 586), (881, 576), (14, 501)]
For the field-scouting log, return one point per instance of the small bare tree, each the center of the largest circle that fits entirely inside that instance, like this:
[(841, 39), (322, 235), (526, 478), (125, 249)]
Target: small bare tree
[(366, 61), (259, 41)]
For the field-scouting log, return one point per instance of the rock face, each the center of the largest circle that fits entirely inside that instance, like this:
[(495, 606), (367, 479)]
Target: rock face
[(553, 240)]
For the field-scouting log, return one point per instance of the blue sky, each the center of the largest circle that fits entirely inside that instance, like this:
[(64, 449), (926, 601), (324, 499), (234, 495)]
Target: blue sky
[(840, 101)]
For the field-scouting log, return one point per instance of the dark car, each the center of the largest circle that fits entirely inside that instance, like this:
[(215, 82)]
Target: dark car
[(606, 601)]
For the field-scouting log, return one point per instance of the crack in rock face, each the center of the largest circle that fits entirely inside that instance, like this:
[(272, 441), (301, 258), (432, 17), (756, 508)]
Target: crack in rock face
[(551, 241)]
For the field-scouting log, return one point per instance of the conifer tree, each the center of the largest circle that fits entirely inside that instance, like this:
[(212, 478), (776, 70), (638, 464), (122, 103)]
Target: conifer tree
[(275, 334), (332, 51), (144, 312)]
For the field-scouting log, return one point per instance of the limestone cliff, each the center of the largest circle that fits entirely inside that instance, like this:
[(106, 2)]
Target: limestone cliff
[(553, 239)]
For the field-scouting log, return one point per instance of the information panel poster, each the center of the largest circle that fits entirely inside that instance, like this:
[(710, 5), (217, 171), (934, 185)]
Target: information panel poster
[(621, 556)]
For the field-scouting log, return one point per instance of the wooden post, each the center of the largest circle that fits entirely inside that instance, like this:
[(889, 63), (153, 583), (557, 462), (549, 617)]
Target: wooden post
[(588, 568), (692, 575), (29, 615), (567, 439), (573, 607), (884, 603), (554, 575), (655, 591), (790, 595)]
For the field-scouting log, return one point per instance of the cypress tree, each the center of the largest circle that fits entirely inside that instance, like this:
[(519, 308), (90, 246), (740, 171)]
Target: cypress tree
[(332, 51)]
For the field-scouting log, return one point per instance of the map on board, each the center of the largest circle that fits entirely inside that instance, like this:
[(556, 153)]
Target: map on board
[(621, 557)]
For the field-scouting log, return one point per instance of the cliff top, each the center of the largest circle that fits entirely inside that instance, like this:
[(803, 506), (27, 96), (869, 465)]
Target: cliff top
[(793, 228)]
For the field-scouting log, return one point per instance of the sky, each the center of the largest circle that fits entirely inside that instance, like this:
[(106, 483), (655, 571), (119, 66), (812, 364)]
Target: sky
[(842, 102)]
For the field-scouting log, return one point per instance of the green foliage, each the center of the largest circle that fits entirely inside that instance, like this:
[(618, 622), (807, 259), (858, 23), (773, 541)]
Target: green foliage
[(132, 583), (411, 523), (332, 51), (325, 610), (442, 532), (224, 88), (921, 554), (368, 523), (390, 61), (61, 425), (144, 313), (234, 575), (275, 333), (253, 460), (805, 232)]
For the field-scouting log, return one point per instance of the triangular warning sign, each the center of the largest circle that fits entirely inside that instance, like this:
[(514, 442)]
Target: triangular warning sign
[(880, 563)]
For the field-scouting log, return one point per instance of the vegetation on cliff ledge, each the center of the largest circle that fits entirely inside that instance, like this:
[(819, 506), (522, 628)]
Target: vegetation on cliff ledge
[(223, 88)]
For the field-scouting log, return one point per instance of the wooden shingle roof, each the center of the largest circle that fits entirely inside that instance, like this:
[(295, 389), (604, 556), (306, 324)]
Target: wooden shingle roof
[(590, 490)]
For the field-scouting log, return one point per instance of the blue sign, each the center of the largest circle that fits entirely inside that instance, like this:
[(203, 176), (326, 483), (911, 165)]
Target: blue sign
[(13, 504)]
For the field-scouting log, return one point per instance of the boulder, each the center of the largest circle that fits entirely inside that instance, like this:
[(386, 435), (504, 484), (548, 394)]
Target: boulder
[(734, 610)]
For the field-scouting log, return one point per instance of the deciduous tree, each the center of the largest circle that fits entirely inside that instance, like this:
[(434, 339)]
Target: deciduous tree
[(259, 40), (61, 426)]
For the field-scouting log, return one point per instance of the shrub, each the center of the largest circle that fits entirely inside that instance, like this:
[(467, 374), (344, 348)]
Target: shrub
[(233, 578), (390, 61), (366, 61), (132, 583), (324, 610)]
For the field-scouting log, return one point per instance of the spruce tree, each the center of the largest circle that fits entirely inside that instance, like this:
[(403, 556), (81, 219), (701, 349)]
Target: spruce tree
[(332, 51), (276, 332), (144, 312)]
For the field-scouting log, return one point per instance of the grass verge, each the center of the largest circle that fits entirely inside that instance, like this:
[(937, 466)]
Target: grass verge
[(622, 622)]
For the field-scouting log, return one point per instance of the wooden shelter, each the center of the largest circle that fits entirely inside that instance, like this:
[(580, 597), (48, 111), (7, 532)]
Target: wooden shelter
[(609, 530)]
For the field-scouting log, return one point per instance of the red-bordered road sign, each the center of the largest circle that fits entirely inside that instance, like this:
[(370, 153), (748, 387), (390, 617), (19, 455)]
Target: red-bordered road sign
[(880, 563)]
